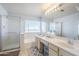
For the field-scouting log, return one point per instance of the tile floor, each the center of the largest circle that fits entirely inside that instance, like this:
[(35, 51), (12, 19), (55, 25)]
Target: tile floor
[(29, 49), (25, 49)]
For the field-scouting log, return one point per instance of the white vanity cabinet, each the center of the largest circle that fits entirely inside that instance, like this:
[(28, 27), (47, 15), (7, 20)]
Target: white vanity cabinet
[(53, 50), (64, 53)]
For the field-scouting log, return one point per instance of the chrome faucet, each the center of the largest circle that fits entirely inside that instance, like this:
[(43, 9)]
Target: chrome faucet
[(70, 41)]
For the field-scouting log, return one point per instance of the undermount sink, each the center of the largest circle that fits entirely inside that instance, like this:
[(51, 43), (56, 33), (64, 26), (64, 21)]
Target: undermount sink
[(49, 37)]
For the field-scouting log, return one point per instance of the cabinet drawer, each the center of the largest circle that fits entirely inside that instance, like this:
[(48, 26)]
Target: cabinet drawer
[(64, 53), (52, 53), (53, 47)]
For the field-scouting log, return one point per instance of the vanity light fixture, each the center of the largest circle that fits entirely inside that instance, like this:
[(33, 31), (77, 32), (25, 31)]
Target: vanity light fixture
[(53, 8)]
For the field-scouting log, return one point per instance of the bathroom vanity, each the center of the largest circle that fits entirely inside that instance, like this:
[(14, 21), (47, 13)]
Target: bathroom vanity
[(56, 46)]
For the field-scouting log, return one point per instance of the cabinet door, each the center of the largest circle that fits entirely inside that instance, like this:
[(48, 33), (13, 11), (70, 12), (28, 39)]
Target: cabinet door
[(53, 50), (38, 43), (64, 53), (53, 47), (52, 53)]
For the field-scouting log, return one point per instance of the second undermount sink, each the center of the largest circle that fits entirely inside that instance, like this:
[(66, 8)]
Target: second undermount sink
[(62, 43), (65, 44)]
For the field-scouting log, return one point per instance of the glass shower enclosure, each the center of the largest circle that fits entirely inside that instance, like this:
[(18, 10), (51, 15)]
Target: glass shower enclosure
[(9, 33)]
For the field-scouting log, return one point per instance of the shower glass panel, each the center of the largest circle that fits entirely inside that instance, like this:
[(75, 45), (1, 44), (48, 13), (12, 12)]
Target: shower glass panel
[(12, 40), (78, 31)]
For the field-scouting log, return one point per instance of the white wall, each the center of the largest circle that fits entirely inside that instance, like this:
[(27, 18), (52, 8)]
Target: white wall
[(69, 26)]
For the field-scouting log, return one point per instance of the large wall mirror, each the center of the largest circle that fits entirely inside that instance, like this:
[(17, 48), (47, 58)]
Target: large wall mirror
[(56, 28)]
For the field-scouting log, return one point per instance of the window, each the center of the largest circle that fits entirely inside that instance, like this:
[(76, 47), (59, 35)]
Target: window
[(52, 27), (43, 26), (26, 26), (35, 26), (32, 26)]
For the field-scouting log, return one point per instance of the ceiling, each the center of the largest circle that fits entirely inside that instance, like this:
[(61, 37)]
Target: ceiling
[(30, 9), (37, 9)]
